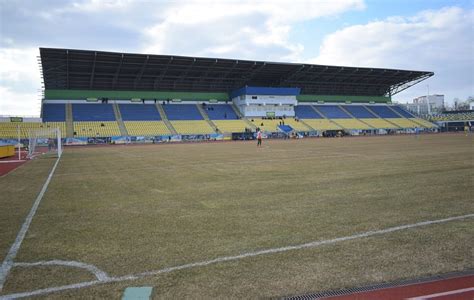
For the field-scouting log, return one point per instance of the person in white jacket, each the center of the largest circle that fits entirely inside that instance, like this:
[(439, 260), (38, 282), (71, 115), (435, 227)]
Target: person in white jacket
[(259, 138)]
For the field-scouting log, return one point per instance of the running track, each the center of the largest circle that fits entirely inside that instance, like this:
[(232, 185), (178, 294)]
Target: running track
[(9, 164), (458, 288)]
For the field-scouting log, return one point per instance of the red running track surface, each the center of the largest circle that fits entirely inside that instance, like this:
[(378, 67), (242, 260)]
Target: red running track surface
[(9, 164), (454, 288)]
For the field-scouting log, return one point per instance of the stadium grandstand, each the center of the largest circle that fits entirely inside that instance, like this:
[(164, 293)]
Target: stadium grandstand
[(452, 120), (117, 97)]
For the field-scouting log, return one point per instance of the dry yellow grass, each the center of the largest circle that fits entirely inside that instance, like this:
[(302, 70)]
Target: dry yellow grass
[(129, 209)]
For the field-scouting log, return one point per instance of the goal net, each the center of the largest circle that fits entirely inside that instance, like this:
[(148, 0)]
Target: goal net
[(45, 141)]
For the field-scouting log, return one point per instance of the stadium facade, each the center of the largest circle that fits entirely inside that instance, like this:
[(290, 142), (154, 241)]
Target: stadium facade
[(119, 96)]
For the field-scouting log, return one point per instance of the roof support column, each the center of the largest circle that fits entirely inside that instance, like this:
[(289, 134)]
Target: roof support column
[(93, 70)]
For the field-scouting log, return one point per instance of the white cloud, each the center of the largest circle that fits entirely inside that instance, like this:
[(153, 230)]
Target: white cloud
[(243, 29), (101, 5), (19, 81), (19, 103), (434, 40)]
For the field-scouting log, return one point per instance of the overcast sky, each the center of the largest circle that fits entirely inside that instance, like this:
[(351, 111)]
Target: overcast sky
[(427, 35)]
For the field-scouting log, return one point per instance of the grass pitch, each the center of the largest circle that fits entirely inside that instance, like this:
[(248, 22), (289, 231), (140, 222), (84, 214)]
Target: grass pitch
[(130, 209)]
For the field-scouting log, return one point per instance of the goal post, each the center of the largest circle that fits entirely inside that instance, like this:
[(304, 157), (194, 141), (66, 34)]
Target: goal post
[(45, 141)]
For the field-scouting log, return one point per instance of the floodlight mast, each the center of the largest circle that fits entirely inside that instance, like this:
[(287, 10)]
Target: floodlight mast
[(428, 100)]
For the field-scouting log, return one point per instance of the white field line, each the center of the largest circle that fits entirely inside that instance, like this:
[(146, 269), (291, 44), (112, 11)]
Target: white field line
[(425, 297), (8, 261), (231, 258), (99, 274)]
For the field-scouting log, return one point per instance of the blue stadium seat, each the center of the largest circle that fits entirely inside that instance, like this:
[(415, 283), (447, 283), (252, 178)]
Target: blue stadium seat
[(383, 111), (306, 112), (332, 112), (220, 112), (54, 112), (359, 111), (93, 112), (403, 112), (285, 128), (139, 112), (182, 112)]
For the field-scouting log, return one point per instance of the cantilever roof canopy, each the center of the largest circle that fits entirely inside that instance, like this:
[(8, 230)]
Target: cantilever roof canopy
[(99, 70)]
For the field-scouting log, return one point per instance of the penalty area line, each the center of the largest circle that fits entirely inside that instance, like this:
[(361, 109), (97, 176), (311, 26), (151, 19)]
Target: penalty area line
[(8, 261), (232, 258), (98, 273)]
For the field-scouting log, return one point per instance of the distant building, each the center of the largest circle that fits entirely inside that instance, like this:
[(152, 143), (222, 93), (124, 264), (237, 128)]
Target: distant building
[(420, 105)]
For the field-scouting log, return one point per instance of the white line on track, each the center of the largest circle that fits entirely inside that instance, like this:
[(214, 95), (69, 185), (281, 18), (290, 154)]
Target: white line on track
[(454, 292), (231, 258), (8, 261)]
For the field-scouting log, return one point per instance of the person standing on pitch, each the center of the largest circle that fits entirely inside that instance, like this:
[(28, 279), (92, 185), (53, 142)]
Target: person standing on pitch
[(259, 138)]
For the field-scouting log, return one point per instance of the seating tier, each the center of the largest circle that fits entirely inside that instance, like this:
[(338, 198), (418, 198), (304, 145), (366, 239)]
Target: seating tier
[(402, 112), (321, 124), (358, 111), (404, 123), (383, 111), (182, 112), (54, 112), (139, 112), (332, 112), (306, 112), (220, 112), (10, 129), (272, 125), (93, 112), (96, 129), (146, 128), (352, 124), (423, 122), (379, 123), (229, 126), (192, 127)]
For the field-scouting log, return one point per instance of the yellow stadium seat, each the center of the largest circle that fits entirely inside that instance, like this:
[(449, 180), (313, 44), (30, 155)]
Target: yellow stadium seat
[(96, 129), (229, 126), (9, 129), (146, 128), (266, 125), (272, 125), (404, 123), (192, 127), (456, 116), (351, 124), (321, 124), (423, 123), (298, 126), (380, 124)]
